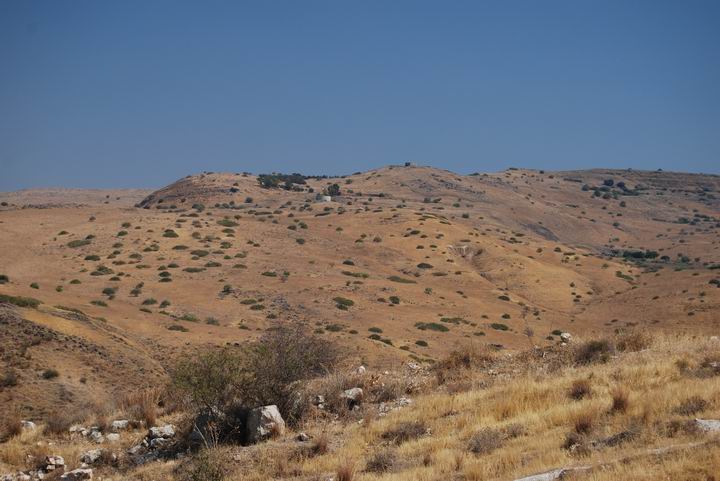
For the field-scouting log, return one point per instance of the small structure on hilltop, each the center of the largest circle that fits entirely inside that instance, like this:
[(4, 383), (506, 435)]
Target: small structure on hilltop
[(320, 197)]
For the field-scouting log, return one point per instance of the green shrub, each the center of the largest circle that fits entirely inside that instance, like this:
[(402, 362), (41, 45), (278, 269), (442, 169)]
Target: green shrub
[(227, 223), (343, 303), (401, 280), (499, 326), (599, 350), (20, 301), (431, 326), (78, 243), (50, 374), (362, 275)]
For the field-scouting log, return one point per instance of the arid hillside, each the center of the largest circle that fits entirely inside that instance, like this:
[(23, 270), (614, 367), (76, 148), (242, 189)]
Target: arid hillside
[(398, 264)]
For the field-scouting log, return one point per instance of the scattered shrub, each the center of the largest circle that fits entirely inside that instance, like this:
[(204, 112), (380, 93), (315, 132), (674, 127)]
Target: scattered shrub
[(50, 374), (691, 406), (634, 341), (594, 351), (486, 441), (381, 461), (620, 400), (580, 389), (78, 243), (20, 301), (404, 432)]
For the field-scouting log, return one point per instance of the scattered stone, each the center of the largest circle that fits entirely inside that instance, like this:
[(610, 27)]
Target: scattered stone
[(303, 437), (54, 462), (159, 442), (112, 437), (353, 396), (137, 449), (120, 424), (91, 456), (28, 425), (360, 370), (708, 424), (167, 431), (97, 437), (77, 429), (565, 336), (547, 476), (403, 401), (264, 421), (77, 475)]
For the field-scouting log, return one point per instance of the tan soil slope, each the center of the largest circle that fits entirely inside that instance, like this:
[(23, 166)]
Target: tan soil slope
[(406, 262)]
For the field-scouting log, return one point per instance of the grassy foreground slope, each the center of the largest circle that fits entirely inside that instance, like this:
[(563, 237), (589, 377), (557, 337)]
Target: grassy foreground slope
[(622, 408)]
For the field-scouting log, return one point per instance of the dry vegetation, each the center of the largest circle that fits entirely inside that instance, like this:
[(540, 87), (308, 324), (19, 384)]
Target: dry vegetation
[(518, 414), (158, 306)]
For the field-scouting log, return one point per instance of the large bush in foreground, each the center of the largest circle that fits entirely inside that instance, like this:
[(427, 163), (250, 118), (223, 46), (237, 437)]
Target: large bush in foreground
[(267, 371)]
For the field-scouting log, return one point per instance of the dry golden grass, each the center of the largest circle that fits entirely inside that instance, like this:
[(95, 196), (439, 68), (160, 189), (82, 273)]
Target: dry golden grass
[(539, 403), (517, 425)]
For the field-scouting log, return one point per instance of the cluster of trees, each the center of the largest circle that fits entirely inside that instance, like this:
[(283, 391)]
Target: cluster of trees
[(285, 181)]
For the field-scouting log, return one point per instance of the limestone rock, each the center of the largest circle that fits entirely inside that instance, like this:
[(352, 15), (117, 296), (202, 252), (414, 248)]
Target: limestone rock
[(120, 424), (264, 421), (167, 431), (77, 475)]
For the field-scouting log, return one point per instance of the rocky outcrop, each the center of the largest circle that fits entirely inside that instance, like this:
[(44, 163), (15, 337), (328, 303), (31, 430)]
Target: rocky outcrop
[(77, 475), (264, 422)]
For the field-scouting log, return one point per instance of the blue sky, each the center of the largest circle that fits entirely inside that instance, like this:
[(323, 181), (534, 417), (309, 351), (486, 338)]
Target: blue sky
[(140, 93)]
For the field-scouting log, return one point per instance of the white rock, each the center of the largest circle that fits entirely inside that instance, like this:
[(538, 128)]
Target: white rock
[(167, 431), (708, 424), (28, 425), (91, 456), (547, 476), (263, 422), (76, 428), (97, 437), (77, 475), (55, 461), (565, 336), (360, 370), (303, 437), (353, 395), (113, 437), (135, 450), (159, 442), (120, 424)]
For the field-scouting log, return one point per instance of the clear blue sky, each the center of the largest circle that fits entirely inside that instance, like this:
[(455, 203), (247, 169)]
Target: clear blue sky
[(139, 93)]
